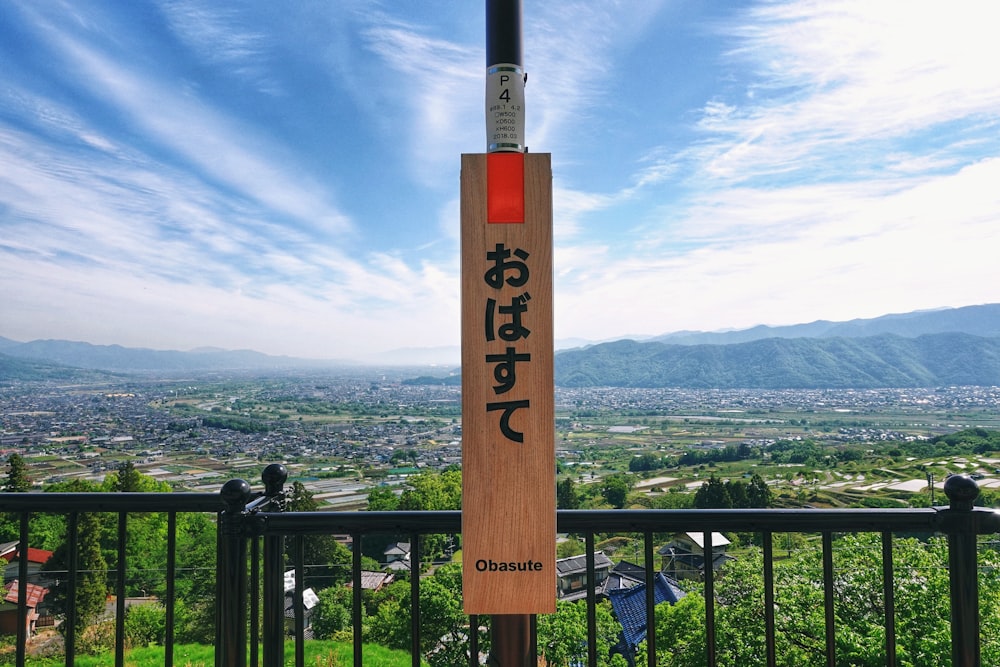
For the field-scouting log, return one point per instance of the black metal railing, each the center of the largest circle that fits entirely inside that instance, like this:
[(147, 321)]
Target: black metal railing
[(961, 522), (251, 562), (73, 505)]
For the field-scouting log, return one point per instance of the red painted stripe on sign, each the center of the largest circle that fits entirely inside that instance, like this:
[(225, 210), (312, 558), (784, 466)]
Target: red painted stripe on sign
[(505, 187)]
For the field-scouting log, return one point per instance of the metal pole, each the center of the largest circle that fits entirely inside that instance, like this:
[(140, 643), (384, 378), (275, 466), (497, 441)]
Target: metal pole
[(511, 640), (505, 77)]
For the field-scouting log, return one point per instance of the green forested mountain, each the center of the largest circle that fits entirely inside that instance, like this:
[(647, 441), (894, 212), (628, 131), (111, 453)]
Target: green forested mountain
[(12, 368), (788, 363), (982, 320)]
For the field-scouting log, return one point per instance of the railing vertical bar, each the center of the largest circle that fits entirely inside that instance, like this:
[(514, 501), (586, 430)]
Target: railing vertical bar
[(120, 591), (889, 595), (831, 639), (231, 581), (22, 591), (274, 601), (591, 600), (168, 648), (274, 477), (474, 640), (254, 601), (415, 599), (708, 557), (222, 645), (298, 601), (356, 598), (533, 639), (768, 542), (72, 536), (650, 572), (964, 583)]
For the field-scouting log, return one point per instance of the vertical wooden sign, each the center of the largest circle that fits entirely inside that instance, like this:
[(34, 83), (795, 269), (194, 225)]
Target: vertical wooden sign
[(508, 417)]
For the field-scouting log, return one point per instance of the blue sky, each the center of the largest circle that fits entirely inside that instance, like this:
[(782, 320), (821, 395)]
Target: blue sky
[(284, 176)]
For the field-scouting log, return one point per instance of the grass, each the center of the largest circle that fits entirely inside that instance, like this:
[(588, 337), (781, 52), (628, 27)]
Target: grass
[(317, 654)]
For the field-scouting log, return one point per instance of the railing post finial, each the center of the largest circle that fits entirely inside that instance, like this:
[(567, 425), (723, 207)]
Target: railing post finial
[(274, 477), (962, 492), (235, 494)]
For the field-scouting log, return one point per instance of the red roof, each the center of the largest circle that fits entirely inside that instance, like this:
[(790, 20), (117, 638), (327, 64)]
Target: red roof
[(35, 593), (34, 555)]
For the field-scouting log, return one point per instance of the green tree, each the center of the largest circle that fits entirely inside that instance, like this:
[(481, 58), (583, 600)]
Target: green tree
[(128, 479), (441, 616), (430, 491), (145, 625), (195, 587), (382, 499), (332, 614), (146, 537), (737, 491), (17, 475), (680, 633), (920, 589), (674, 499), (615, 489), (567, 497), (327, 561), (433, 491), (17, 482), (92, 573), (562, 636), (644, 462), (713, 494), (758, 492)]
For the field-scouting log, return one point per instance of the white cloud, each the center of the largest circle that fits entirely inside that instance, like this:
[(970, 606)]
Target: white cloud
[(838, 76), (439, 88)]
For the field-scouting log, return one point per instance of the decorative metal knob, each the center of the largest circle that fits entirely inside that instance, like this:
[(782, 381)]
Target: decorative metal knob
[(274, 477), (235, 494), (962, 492)]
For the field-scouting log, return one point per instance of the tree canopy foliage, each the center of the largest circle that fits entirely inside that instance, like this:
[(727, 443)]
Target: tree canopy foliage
[(921, 595)]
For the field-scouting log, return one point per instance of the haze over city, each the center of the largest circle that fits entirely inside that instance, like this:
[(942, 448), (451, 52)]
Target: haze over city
[(284, 177)]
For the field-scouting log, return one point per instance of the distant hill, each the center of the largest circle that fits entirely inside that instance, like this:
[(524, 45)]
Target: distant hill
[(128, 359), (983, 320), (788, 363), (24, 370), (926, 348)]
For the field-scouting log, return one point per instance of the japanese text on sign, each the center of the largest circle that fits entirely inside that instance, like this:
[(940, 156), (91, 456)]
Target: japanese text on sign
[(504, 321)]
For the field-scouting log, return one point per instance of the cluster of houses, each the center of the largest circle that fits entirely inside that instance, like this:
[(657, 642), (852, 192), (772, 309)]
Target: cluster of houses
[(681, 558)]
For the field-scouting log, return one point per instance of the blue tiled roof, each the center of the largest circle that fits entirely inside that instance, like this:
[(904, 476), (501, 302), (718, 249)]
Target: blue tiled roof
[(629, 605)]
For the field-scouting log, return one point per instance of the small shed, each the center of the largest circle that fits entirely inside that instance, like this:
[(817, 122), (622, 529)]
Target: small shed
[(8, 609)]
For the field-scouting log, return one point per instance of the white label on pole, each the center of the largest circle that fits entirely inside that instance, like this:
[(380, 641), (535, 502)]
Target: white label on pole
[(505, 108)]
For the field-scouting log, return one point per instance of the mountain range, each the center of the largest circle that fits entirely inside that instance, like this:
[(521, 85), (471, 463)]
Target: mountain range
[(953, 346)]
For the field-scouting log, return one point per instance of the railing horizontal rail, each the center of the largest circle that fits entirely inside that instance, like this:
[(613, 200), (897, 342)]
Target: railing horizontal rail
[(926, 520), (111, 502)]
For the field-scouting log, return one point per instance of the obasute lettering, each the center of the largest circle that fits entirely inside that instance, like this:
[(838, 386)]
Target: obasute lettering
[(490, 565)]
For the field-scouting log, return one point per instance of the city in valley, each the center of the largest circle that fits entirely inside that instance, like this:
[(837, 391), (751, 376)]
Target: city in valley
[(343, 434)]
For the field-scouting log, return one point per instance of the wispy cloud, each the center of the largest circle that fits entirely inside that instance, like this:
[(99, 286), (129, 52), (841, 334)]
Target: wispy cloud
[(838, 81), (438, 85)]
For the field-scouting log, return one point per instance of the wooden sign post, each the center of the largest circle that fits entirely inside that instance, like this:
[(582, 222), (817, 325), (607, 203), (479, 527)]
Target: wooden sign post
[(508, 414), (508, 419)]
